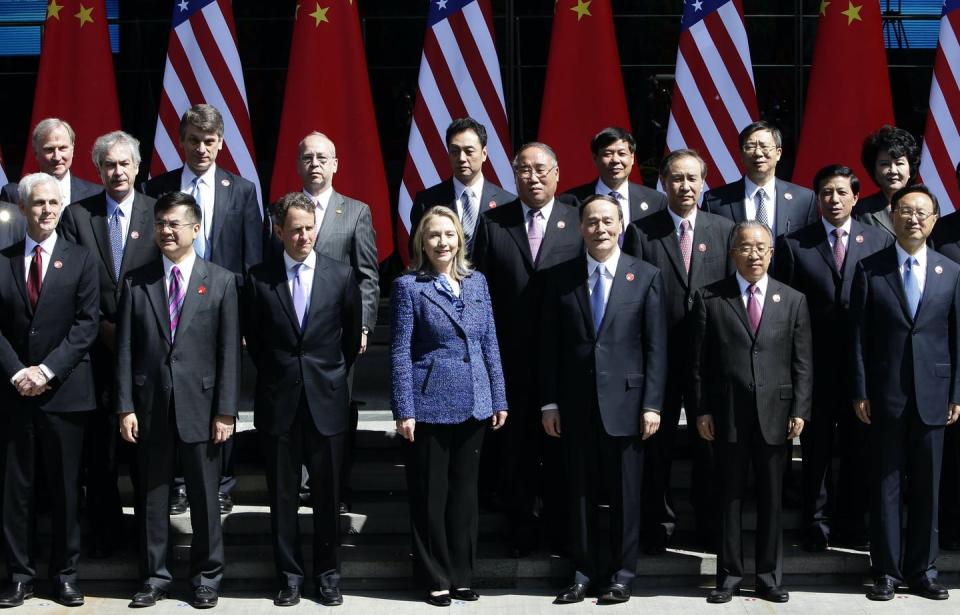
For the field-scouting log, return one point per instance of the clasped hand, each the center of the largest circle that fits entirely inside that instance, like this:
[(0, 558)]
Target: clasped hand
[(31, 382)]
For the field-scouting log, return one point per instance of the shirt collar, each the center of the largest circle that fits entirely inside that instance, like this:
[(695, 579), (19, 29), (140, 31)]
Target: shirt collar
[(750, 188), (185, 266), (208, 177), (46, 245), (604, 189), (308, 263), (545, 210), (459, 187), (761, 284), (322, 199), (921, 256), (125, 205), (845, 226), (691, 218), (610, 265)]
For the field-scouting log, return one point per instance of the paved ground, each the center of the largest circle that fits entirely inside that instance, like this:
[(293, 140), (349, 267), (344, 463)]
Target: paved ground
[(803, 601)]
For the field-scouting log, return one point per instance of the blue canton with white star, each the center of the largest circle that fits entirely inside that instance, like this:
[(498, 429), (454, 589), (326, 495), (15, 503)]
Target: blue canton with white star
[(695, 10), (184, 9), (441, 9)]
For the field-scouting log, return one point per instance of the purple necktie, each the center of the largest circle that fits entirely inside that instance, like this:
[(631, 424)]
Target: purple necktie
[(175, 300), (299, 295), (686, 243), (534, 233), (623, 219), (753, 307), (839, 252)]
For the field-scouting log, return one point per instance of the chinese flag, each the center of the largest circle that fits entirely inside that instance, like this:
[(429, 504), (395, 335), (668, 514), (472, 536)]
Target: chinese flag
[(76, 82), (848, 96), (328, 90), (584, 92)]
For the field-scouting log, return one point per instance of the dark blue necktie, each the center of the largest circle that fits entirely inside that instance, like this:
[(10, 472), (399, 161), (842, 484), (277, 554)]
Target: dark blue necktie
[(597, 302)]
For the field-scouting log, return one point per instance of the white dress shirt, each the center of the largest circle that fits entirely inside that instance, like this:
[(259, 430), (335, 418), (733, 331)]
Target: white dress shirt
[(207, 187), (126, 210), (609, 270), (545, 211), (691, 218), (761, 289), (750, 200), (846, 233), (64, 185), (306, 274), (186, 269), (46, 248), (322, 200), (919, 270)]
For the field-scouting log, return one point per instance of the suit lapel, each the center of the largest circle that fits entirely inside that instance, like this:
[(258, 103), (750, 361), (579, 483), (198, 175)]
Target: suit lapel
[(193, 297), (823, 247), (735, 301), (434, 296), (157, 294), (558, 224), (20, 274), (772, 308), (784, 201), (896, 282), (932, 284), (854, 248), (671, 245), (518, 230), (222, 190), (618, 291), (737, 206), (315, 291), (283, 293), (330, 216), (101, 231), (490, 192), (582, 294), (54, 274), (141, 229)]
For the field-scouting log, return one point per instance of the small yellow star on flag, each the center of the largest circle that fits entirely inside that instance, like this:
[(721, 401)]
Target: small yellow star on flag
[(53, 10), (823, 6), (84, 15), (582, 8), (320, 15), (852, 13)]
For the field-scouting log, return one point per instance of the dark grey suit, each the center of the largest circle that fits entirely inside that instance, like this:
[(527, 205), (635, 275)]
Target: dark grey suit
[(442, 194), (176, 389), (796, 206), (874, 211), (643, 201)]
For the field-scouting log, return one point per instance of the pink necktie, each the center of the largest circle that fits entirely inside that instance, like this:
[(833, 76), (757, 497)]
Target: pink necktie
[(753, 307), (534, 234), (839, 252), (686, 243)]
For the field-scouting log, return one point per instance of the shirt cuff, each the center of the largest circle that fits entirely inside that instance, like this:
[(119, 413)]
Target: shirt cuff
[(651, 410), (46, 372), (17, 376), (549, 407)]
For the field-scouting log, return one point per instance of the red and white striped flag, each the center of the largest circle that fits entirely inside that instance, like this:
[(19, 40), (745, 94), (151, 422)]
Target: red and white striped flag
[(203, 66), (459, 77), (3, 175), (714, 97), (941, 138)]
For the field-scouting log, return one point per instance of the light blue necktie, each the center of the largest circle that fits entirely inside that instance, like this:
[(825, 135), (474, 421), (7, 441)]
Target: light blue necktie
[(116, 242), (299, 296), (597, 303), (200, 241), (911, 285)]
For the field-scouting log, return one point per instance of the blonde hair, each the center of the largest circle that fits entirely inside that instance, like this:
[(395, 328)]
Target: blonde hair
[(418, 259)]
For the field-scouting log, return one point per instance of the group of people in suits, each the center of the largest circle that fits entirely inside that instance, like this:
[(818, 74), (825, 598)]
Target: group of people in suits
[(125, 323)]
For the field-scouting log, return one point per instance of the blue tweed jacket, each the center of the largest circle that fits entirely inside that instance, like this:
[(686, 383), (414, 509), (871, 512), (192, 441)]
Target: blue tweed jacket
[(445, 365)]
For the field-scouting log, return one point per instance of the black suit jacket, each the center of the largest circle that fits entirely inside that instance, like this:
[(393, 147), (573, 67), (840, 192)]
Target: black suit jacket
[(741, 378), (79, 190), (311, 363), (200, 369), (13, 226), (643, 201), (872, 211), (236, 239), (796, 206), (623, 366), (945, 237), (805, 262), (501, 252), (896, 358), (58, 334), (442, 194)]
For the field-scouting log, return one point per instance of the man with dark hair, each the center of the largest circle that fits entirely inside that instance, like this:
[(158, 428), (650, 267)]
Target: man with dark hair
[(177, 393), (691, 249), (302, 398), (613, 150), (467, 192), (819, 260), (892, 158), (905, 310), (759, 194), (231, 228)]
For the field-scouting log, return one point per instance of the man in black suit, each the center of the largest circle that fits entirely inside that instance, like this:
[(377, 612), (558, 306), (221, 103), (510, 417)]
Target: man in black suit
[(752, 384), (602, 373), (309, 302), (759, 194), (905, 310), (691, 248), (177, 393), (819, 260), (467, 192), (231, 222), (613, 151), (48, 322), (514, 244), (117, 226)]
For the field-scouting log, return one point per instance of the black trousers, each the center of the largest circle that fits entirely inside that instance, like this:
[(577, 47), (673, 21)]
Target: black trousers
[(950, 485), (768, 462), (905, 447), (828, 511), (59, 439), (284, 455), (101, 448), (594, 463), (443, 464), (200, 462)]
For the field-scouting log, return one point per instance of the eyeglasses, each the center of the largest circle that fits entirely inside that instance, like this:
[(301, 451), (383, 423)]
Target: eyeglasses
[(763, 148), (907, 213), (174, 226), (321, 160), (748, 250), (528, 172)]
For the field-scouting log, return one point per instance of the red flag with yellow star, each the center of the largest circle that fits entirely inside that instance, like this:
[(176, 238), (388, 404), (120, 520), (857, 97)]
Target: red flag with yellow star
[(848, 96), (584, 91), (328, 90), (76, 81)]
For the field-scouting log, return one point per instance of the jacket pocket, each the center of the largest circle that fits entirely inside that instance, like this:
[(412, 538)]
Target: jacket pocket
[(634, 381), (207, 382), (786, 391), (942, 370)]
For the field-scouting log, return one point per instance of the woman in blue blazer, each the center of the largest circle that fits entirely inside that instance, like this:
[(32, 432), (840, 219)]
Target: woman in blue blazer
[(447, 386)]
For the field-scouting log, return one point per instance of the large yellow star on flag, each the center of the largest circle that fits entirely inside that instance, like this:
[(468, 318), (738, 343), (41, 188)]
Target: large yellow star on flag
[(823, 6), (852, 12), (320, 15), (84, 15), (582, 8), (53, 10)]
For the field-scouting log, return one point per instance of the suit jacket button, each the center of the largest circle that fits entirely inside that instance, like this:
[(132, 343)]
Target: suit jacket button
[(166, 388), (466, 359), (33, 331), (751, 386), (296, 382)]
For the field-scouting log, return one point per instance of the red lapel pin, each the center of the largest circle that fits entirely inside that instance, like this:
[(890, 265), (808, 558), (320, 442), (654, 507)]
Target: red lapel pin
[(202, 290)]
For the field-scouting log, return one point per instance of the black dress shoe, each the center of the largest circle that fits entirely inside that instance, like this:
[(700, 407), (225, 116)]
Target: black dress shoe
[(226, 503), (15, 594), (571, 594), (815, 543), (722, 595), (438, 599), (773, 594), (882, 590), (930, 590), (178, 503), (67, 594), (329, 596), (204, 597), (466, 594), (148, 595), (288, 596), (615, 592)]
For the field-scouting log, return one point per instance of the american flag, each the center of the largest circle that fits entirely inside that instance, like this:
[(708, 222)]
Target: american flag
[(941, 138), (203, 66), (459, 77), (713, 95), (3, 175)]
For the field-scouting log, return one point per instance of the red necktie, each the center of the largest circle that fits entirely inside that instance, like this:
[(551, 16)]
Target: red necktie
[(34, 280)]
